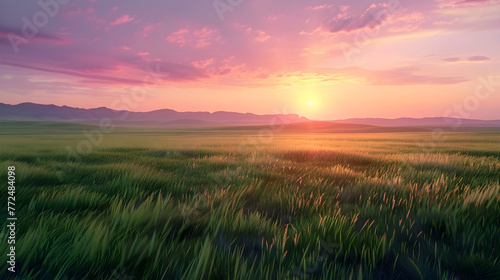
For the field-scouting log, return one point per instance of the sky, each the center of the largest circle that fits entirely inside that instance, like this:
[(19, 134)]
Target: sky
[(321, 59)]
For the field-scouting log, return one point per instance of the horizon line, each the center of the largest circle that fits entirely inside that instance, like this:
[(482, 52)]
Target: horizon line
[(270, 114)]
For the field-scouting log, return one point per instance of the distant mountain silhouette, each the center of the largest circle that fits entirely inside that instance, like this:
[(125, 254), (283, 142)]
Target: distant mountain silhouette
[(167, 117), (423, 122), (39, 112)]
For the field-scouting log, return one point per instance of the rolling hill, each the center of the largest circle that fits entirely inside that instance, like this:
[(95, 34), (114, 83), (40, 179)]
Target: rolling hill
[(233, 120)]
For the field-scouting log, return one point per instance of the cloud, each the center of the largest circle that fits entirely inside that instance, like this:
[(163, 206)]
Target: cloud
[(246, 76), (466, 3), (179, 37), (100, 68), (261, 36), (198, 38), (478, 58), (392, 77), (375, 16), (452, 59), (121, 20), (320, 7), (257, 34), (405, 21), (5, 33), (371, 18), (475, 58), (146, 30), (444, 22), (180, 72), (97, 77), (408, 76), (202, 63), (344, 8)]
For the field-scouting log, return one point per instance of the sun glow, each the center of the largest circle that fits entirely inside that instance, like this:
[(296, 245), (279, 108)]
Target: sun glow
[(310, 102)]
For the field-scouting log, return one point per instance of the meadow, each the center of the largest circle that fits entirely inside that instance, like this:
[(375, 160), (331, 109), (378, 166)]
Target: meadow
[(153, 203)]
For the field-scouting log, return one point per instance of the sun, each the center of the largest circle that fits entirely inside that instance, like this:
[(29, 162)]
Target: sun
[(310, 103)]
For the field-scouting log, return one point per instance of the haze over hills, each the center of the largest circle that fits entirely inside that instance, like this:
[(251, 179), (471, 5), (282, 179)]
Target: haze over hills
[(423, 122), (39, 112), (171, 118)]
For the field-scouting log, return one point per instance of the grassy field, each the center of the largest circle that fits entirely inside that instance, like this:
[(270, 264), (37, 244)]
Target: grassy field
[(147, 203)]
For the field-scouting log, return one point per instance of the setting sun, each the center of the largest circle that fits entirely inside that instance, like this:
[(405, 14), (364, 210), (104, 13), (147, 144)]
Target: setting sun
[(310, 103)]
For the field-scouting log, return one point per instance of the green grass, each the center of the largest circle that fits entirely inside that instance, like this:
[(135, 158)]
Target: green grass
[(209, 204)]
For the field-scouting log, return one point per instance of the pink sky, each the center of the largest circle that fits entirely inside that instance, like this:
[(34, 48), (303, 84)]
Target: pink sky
[(320, 59)]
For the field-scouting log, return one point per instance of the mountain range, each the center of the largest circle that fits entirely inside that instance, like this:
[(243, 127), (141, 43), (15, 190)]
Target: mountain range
[(39, 112), (167, 117)]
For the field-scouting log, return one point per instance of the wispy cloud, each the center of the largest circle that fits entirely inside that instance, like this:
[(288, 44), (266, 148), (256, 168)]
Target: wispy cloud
[(8, 34), (121, 20), (202, 63), (319, 7), (475, 58), (465, 3), (374, 16), (97, 77), (197, 38), (261, 36)]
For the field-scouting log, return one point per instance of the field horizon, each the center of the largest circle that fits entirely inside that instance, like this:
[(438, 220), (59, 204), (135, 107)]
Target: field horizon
[(28, 111)]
